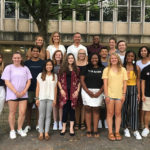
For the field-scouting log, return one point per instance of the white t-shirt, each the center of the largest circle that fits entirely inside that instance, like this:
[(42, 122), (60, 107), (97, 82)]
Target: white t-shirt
[(51, 49), (47, 87), (122, 58), (74, 50), (141, 65)]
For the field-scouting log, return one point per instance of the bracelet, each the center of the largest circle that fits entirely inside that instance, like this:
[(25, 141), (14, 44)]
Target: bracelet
[(36, 98)]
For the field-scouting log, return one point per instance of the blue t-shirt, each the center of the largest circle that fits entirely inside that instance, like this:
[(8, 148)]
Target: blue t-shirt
[(35, 68)]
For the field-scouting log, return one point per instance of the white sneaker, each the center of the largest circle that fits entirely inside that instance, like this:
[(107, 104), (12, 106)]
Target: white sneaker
[(37, 128), (100, 124), (137, 135), (27, 128), (105, 124), (127, 133), (145, 132), (60, 125), (12, 134), (55, 126), (21, 132)]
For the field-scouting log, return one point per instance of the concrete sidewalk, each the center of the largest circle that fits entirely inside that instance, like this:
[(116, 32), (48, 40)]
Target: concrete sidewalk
[(78, 142)]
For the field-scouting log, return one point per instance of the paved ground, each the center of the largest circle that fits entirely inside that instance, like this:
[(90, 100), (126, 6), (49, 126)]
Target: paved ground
[(78, 142)]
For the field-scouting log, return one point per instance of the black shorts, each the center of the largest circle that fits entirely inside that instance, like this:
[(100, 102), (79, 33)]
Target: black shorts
[(19, 99)]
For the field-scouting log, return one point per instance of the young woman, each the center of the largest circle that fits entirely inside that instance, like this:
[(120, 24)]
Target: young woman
[(2, 84), (46, 93), (17, 79), (57, 59), (92, 89), (39, 41), (130, 106), (115, 77), (80, 110), (68, 82), (144, 61), (55, 44)]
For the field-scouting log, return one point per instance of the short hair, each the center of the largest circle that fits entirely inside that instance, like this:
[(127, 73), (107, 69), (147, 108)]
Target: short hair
[(76, 33), (120, 42), (140, 49), (104, 47), (37, 47), (113, 38)]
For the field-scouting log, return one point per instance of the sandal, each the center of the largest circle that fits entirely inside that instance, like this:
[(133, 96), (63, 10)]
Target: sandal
[(83, 126), (76, 127), (89, 134), (96, 134), (118, 136), (40, 137), (47, 137), (111, 137)]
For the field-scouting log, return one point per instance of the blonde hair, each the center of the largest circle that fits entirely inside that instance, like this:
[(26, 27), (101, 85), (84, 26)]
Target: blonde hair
[(78, 55), (1, 65), (119, 64), (42, 38), (51, 42)]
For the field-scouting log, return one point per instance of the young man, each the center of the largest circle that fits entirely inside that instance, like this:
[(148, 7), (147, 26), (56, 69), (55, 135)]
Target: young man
[(95, 47), (112, 45), (122, 46), (104, 56), (76, 46), (35, 65), (145, 85)]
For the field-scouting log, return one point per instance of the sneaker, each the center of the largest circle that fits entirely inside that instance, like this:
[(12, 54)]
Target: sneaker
[(60, 125), (12, 134), (37, 128), (127, 133), (22, 133), (137, 135), (27, 128), (105, 124), (100, 124), (145, 132), (55, 126)]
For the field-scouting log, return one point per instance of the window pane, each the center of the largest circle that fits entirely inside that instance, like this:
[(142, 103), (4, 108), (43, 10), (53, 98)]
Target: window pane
[(147, 3), (136, 2), (81, 14), (94, 15), (23, 13), (147, 14), (122, 2), (136, 14), (9, 10), (54, 11), (107, 14), (67, 15), (122, 14)]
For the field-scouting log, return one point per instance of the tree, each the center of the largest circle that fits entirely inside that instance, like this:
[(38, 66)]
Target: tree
[(43, 10)]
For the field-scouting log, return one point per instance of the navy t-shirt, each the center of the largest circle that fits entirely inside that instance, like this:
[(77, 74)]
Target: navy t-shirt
[(35, 68), (145, 75), (93, 77)]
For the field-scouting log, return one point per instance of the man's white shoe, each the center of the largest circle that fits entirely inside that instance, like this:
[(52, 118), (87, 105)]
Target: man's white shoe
[(12, 134), (137, 135), (22, 133), (60, 125), (100, 124), (145, 132), (55, 125), (27, 128), (105, 124), (127, 133)]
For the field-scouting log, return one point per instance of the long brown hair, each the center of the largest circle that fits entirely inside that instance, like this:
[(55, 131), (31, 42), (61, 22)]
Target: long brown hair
[(1, 64), (54, 60), (51, 42), (65, 66), (44, 72)]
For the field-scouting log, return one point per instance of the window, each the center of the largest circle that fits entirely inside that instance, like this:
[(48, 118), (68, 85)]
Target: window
[(66, 10), (9, 9), (23, 13), (136, 10), (108, 10), (81, 13), (54, 10), (147, 11), (95, 13), (122, 10)]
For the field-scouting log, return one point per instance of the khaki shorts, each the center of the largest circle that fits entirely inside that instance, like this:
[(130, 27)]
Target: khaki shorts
[(146, 104), (31, 97)]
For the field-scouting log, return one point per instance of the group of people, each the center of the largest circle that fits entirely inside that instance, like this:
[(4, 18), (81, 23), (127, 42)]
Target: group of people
[(77, 82)]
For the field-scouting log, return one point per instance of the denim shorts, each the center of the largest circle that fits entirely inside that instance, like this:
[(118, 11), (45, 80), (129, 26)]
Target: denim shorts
[(115, 99)]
